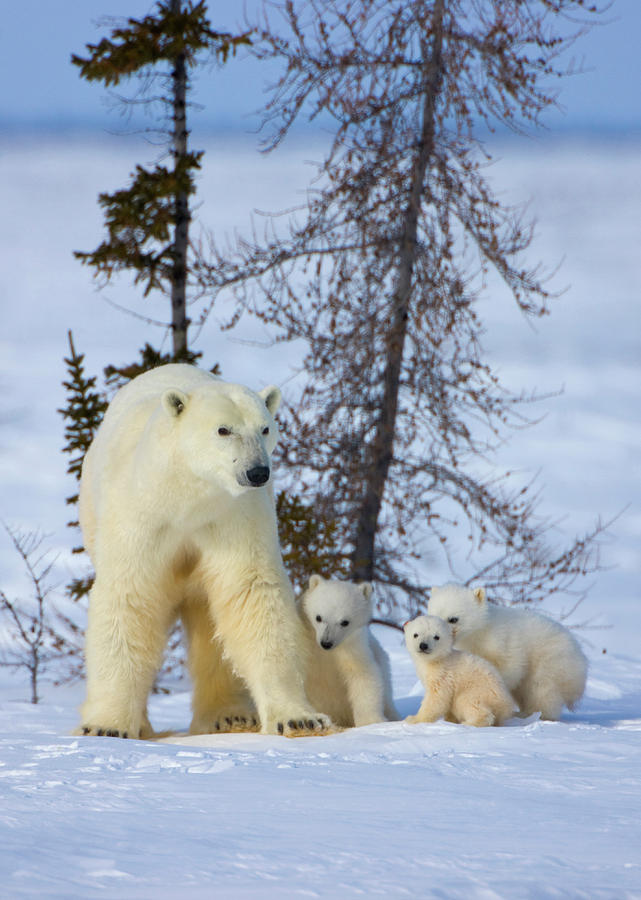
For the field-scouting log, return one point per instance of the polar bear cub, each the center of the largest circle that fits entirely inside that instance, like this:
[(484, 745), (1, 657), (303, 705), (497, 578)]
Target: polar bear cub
[(348, 673), (459, 687), (540, 661)]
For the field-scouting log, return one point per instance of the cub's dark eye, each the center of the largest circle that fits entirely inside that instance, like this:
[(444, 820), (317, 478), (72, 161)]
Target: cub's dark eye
[(224, 432), (453, 620), (319, 618), (344, 623), (415, 635), (436, 637), (265, 430)]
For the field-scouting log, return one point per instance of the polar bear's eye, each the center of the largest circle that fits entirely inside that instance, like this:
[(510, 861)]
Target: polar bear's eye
[(224, 432), (265, 430), (437, 637), (453, 620), (344, 623), (319, 618), (415, 635)]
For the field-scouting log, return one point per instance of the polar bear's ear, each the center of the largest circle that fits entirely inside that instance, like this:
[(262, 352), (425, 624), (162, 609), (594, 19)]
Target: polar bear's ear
[(479, 595), (272, 397), (174, 401), (314, 581), (366, 589)]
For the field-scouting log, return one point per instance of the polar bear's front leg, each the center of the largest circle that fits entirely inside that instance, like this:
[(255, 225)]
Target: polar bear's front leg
[(436, 703), (264, 640), (124, 644), (363, 680), (220, 700)]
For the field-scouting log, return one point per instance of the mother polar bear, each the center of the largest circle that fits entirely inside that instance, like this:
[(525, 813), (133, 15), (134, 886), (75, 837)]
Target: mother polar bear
[(177, 513)]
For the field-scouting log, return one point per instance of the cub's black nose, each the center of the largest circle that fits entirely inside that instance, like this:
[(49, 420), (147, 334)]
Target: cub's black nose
[(258, 475), (423, 646), (327, 645)]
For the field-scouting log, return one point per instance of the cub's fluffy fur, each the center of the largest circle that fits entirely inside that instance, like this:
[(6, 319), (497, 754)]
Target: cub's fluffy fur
[(540, 661), (459, 687), (348, 672)]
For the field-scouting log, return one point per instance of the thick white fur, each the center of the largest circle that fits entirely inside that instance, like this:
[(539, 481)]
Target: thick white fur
[(540, 661), (348, 678), (174, 528), (459, 687)]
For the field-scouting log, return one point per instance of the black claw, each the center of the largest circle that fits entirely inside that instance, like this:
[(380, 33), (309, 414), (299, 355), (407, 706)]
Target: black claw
[(125, 734), (86, 729), (254, 721), (280, 728), (100, 732), (228, 720), (217, 726), (321, 723), (310, 724), (301, 724), (291, 724), (111, 733)]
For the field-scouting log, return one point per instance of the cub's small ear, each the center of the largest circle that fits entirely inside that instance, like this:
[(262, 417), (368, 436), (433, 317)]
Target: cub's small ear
[(314, 581), (272, 397), (174, 402), (366, 589), (479, 595)]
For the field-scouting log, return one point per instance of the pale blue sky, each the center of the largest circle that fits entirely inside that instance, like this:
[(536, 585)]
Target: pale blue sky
[(40, 87)]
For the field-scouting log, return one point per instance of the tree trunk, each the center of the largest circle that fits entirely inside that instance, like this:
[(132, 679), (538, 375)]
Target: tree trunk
[(382, 448), (179, 320), (33, 667)]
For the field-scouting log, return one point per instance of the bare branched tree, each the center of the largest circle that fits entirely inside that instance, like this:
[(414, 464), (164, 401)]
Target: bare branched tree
[(380, 271), (36, 633)]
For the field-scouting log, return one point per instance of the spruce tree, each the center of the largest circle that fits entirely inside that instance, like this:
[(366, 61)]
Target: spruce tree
[(82, 413), (148, 222)]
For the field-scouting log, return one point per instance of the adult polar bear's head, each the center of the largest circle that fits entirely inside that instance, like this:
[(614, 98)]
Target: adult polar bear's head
[(225, 433)]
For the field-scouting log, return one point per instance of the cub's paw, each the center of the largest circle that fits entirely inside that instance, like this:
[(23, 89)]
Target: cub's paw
[(300, 726), (480, 720), (411, 720)]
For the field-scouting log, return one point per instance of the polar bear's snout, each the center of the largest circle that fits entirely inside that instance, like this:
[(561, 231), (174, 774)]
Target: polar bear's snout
[(424, 647), (258, 475), (254, 476)]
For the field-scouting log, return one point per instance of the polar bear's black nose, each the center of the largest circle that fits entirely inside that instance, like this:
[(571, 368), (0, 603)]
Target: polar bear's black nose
[(327, 645), (423, 646), (258, 475)]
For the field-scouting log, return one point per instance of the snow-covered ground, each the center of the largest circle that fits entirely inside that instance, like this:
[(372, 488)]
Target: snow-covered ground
[(530, 810)]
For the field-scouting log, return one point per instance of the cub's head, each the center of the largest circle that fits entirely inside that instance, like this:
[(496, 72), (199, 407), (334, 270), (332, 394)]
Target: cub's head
[(336, 609), (225, 433), (428, 636), (465, 609)]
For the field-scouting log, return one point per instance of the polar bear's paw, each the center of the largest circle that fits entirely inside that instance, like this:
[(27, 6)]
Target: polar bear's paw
[(225, 720), (122, 727), (310, 723), (106, 731)]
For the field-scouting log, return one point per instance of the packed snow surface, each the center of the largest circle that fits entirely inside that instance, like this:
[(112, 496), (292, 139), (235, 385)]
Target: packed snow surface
[(532, 809), (529, 810)]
